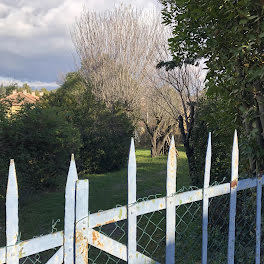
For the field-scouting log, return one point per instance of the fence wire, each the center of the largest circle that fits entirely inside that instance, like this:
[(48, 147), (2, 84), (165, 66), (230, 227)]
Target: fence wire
[(42, 257), (151, 230)]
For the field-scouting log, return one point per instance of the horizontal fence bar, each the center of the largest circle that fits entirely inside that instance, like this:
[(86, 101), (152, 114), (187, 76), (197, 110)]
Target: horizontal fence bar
[(114, 247), (120, 213), (107, 217), (57, 258), (36, 245), (145, 207)]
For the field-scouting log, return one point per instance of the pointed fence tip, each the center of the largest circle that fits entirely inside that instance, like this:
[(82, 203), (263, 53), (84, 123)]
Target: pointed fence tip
[(235, 138), (235, 134), (172, 146), (72, 157), (132, 145), (172, 140), (209, 139)]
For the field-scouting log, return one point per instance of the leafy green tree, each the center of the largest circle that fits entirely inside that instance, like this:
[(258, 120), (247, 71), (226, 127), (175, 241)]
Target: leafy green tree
[(229, 36), (214, 115), (6, 90), (41, 141), (105, 132), (26, 87)]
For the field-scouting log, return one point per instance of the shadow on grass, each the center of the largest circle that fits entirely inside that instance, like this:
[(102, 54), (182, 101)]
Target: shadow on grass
[(41, 211)]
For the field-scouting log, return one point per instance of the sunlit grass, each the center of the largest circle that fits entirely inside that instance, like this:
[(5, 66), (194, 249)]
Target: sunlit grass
[(105, 191)]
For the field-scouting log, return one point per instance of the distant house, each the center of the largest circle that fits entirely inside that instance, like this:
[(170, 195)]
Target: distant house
[(17, 99)]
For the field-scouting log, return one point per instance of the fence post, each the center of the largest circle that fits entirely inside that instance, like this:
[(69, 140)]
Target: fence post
[(233, 200), (205, 199), (12, 254), (258, 218), (131, 215), (81, 231), (69, 219), (170, 207)]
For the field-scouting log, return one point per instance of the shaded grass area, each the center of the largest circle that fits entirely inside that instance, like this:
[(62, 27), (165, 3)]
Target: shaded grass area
[(110, 189), (39, 214)]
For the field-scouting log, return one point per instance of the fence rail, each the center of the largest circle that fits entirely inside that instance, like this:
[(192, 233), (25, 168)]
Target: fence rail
[(82, 229)]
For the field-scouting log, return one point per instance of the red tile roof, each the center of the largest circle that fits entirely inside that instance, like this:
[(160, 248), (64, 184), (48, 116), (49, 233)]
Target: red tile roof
[(20, 98)]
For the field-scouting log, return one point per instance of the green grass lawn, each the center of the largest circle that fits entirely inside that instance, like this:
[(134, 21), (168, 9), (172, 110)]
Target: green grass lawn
[(106, 191)]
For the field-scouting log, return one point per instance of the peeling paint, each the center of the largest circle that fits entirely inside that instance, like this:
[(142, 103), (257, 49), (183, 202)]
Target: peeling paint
[(234, 183), (120, 214), (82, 247), (96, 240)]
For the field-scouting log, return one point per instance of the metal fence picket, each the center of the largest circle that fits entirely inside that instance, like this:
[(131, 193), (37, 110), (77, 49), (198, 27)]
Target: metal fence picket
[(82, 228), (206, 200), (12, 254), (131, 215), (69, 222), (170, 207), (233, 200), (258, 219)]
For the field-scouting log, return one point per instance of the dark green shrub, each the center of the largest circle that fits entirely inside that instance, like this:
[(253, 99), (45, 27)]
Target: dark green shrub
[(214, 115), (41, 141), (105, 133)]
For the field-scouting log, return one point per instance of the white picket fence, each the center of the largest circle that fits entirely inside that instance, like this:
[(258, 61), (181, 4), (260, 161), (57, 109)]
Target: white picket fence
[(79, 224)]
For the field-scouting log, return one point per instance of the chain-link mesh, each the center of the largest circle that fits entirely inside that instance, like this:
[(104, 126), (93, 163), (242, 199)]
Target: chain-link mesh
[(44, 256), (151, 230)]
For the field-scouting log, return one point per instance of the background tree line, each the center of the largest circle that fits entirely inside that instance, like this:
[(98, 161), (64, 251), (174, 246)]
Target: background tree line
[(133, 81), (6, 90), (41, 137)]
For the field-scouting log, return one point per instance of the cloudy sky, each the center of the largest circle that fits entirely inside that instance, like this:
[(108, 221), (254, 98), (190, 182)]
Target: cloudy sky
[(35, 43)]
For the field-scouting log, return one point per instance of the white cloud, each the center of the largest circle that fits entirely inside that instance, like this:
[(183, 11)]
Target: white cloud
[(34, 31), (33, 84)]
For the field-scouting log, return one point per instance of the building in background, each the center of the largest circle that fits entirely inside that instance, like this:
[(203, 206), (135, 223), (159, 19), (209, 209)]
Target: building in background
[(17, 99)]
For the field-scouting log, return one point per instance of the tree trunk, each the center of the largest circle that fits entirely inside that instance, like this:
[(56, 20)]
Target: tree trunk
[(188, 148), (154, 146)]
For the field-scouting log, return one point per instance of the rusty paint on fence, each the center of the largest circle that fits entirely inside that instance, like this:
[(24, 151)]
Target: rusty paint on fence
[(82, 210), (83, 223), (113, 247), (234, 183), (233, 198), (81, 247)]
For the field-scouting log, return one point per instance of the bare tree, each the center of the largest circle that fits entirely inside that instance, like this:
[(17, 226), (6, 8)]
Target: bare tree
[(158, 120), (117, 50), (115, 47), (188, 82)]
